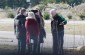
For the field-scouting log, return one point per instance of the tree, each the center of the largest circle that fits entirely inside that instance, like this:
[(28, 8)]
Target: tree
[(2, 3), (23, 3)]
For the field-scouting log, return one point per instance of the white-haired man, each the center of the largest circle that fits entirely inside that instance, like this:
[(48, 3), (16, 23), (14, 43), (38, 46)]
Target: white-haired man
[(57, 28)]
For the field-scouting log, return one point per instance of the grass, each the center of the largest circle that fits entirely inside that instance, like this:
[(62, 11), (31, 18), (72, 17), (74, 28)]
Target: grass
[(78, 29), (3, 14), (6, 27)]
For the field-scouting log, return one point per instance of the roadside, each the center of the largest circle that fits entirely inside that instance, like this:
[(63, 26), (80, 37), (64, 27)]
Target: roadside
[(70, 41)]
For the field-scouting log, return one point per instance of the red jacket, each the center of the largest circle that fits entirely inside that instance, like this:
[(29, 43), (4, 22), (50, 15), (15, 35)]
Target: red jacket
[(31, 26)]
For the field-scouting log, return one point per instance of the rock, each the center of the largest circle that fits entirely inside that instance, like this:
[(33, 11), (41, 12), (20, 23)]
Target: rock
[(80, 48)]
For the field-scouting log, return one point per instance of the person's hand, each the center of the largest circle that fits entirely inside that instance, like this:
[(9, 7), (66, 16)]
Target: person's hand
[(62, 23)]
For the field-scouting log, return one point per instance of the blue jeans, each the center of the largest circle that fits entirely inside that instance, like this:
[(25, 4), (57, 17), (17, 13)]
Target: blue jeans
[(58, 42), (21, 46)]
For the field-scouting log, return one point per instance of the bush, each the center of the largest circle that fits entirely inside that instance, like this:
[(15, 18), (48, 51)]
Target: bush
[(10, 15), (69, 16), (82, 16), (46, 16)]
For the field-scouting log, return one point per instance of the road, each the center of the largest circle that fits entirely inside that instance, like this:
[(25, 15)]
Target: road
[(46, 21), (70, 41)]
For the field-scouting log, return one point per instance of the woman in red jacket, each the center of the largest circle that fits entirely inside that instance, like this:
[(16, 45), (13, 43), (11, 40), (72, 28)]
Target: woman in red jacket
[(32, 30)]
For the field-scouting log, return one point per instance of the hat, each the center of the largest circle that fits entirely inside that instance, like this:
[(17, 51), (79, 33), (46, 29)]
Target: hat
[(35, 11), (31, 15), (23, 9)]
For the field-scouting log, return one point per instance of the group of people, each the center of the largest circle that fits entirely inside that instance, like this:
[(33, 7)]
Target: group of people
[(29, 27)]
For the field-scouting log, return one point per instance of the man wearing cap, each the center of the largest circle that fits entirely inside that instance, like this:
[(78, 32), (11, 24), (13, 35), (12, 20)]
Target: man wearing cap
[(20, 32), (57, 28)]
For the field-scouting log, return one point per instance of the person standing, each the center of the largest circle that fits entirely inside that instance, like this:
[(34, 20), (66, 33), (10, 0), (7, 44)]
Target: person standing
[(57, 29), (41, 23), (20, 32), (32, 30)]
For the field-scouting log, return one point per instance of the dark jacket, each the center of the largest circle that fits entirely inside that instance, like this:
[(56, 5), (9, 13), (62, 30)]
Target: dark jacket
[(41, 26), (57, 19), (19, 26)]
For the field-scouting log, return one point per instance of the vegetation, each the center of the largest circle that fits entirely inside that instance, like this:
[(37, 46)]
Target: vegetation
[(10, 15), (24, 3), (69, 16), (82, 16), (46, 16)]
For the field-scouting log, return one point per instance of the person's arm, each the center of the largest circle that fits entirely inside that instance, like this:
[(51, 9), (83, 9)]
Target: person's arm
[(64, 21), (14, 26), (26, 23), (43, 23), (16, 22)]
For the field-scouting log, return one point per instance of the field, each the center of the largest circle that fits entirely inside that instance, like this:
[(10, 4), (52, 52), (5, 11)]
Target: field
[(78, 29)]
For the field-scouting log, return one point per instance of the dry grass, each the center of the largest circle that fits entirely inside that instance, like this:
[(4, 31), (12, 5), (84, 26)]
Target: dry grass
[(78, 29), (6, 27), (3, 15)]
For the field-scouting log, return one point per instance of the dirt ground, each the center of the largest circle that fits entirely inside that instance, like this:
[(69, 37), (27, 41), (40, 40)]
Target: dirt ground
[(12, 50)]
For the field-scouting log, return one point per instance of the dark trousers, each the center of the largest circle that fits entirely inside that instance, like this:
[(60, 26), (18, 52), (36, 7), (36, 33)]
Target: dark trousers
[(35, 43), (21, 46), (42, 35), (58, 42)]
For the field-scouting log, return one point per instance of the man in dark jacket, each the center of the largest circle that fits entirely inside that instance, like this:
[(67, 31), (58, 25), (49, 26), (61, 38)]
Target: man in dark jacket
[(20, 32), (57, 28)]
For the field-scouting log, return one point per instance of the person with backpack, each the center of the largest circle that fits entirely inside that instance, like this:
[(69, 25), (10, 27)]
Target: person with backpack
[(32, 30), (57, 29), (20, 31)]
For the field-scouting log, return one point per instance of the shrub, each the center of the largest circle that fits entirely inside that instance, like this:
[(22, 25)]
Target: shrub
[(46, 16), (10, 15), (69, 16), (82, 16)]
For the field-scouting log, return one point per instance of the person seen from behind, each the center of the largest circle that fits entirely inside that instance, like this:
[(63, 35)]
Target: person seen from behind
[(32, 31)]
